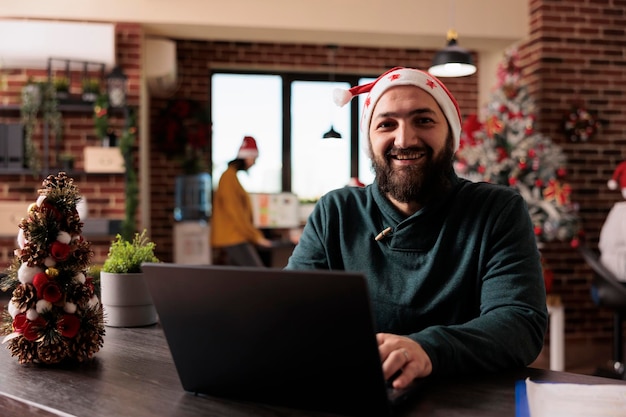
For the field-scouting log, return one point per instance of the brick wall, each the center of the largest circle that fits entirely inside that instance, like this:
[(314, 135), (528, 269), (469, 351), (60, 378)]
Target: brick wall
[(575, 56), (104, 193), (197, 58)]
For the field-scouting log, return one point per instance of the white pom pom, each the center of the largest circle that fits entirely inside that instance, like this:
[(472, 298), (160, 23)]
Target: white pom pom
[(50, 261), (341, 97), (80, 277), (64, 237), (82, 208), (13, 310), (93, 302), (43, 306), (26, 273), (32, 314), (612, 184), (21, 239), (69, 308)]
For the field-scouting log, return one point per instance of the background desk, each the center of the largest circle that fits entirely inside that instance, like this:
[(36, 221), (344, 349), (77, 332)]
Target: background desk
[(133, 375)]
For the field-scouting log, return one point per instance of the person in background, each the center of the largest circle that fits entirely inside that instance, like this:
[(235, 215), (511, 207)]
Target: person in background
[(612, 244), (232, 227), (452, 266)]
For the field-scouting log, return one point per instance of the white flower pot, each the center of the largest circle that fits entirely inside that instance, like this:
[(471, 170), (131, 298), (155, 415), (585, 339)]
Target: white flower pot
[(126, 300)]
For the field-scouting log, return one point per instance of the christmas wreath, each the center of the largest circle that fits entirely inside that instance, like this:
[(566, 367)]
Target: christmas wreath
[(579, 125), (183, 130)]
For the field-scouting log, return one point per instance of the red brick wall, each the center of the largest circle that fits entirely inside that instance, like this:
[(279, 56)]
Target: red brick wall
[(575, 55), (197, 58), (104, 193)]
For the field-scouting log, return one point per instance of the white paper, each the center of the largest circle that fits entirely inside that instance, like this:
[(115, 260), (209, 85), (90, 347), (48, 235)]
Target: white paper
[(547, 399)]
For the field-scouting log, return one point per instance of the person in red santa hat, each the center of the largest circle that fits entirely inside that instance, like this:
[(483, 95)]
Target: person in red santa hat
[(452, 266), (232, 228), (612, 243), (619, 179)]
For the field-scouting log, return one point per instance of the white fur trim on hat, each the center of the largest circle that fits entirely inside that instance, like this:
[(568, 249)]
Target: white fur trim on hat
[(404, 76), (248, 148)]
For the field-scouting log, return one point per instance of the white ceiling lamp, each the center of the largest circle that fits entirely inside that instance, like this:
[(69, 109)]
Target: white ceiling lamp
[(452, 61)]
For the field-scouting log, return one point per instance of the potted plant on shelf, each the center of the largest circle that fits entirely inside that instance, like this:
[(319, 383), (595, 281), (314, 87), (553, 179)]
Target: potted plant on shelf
[(125, 296), (30, 104), (91, 89), (66, 162), (62, 87)]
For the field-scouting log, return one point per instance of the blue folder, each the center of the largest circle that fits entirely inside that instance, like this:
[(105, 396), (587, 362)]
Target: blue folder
[(521, 400)]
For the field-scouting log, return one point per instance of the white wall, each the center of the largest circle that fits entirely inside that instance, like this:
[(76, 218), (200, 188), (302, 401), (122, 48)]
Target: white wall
[(482, 24)]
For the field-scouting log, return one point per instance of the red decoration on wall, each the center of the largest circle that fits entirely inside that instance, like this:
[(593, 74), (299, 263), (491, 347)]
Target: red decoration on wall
[(182, 124), (184, 131)]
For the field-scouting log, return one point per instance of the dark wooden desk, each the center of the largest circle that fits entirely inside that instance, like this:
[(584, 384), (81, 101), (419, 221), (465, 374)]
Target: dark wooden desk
[(133, 375)]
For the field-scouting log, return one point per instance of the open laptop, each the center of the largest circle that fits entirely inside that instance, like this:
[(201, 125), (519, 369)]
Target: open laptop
[(300, 339)]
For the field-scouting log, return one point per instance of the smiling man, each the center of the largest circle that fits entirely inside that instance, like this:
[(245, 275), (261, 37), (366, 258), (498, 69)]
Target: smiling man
[(452, 266)]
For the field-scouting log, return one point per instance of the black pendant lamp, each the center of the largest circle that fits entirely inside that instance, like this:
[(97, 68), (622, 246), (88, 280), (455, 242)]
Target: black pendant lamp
[(452, 61), (332, 133)]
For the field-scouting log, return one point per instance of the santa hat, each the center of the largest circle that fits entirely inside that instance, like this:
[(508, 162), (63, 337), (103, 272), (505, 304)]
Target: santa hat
[(248, 148), (618, 180), (404, 76)]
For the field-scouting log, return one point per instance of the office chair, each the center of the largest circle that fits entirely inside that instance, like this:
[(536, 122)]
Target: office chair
[(607, 291)]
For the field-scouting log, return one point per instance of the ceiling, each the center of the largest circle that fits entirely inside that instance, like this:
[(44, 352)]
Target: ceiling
[(483, 25)]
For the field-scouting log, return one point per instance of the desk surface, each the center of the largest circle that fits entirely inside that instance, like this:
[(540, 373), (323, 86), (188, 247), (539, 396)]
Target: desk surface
[(133, 375)]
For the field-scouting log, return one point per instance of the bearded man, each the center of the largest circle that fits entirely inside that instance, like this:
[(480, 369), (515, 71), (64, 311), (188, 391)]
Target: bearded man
[(452, 267)]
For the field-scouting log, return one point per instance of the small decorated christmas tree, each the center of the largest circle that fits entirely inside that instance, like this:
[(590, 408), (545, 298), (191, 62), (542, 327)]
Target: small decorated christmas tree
[(54, 314), (506, 149)]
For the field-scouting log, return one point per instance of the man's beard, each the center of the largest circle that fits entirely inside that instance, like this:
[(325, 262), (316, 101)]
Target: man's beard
[(415, 183)]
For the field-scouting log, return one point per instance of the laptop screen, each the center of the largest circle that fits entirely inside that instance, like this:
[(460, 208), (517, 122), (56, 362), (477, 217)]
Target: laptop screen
[(302, 339)]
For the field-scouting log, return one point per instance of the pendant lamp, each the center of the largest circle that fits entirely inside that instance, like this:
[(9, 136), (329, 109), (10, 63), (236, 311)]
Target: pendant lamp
[(332, 133), (452, 61)]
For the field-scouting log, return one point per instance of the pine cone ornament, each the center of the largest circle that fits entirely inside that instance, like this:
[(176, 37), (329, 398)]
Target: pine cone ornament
[(54, 314)]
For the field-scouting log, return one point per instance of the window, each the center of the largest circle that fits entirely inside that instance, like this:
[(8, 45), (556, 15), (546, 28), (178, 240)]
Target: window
[(288, 114), (365, 173), (318, 165), (248, 105)]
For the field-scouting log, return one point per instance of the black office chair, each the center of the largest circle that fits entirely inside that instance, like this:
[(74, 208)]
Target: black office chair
[(607, 291)]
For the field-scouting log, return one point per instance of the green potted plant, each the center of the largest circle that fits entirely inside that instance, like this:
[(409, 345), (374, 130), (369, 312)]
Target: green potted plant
[(66, 162), (30, 104), (39, 98), (62, 87), (91, 89), (125, 296)]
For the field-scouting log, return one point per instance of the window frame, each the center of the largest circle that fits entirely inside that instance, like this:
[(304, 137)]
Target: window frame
[(287, 78)]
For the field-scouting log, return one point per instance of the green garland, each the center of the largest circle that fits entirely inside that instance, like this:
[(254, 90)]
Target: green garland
[(101, 116), (127, 141), (31, 102)]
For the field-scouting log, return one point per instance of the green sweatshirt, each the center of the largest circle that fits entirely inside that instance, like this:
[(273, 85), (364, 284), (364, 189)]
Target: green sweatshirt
[(462, 276)]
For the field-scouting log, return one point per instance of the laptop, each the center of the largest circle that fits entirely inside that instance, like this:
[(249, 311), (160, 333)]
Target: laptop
[(299, 339)]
